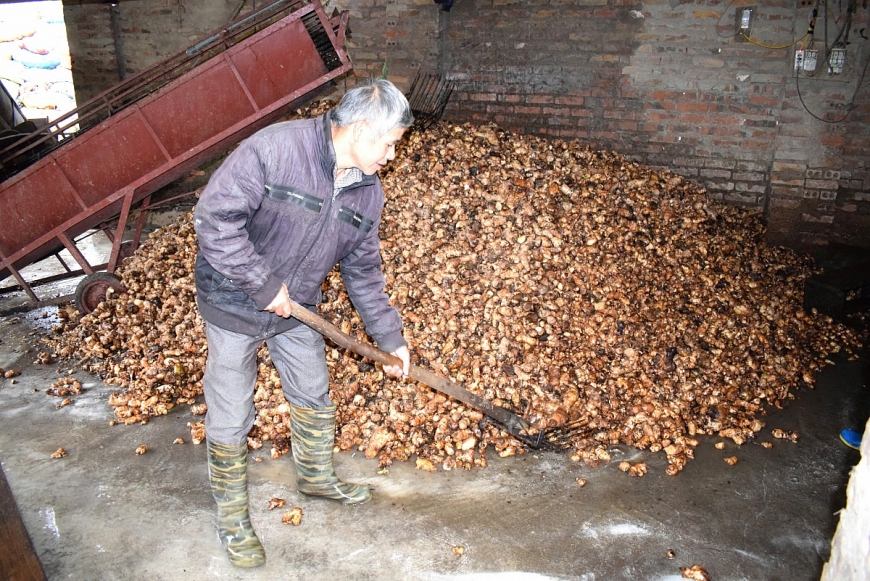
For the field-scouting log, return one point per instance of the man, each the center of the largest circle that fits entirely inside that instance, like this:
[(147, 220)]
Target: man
[(286, 206)]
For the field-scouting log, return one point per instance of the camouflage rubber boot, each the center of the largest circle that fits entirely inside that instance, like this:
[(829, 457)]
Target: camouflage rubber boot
[(228, 473), (313, 436)]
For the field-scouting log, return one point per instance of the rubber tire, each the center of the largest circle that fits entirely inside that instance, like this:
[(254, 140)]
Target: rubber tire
[(92, 289)]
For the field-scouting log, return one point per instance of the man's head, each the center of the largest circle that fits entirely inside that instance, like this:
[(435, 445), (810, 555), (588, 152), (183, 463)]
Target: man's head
[(367, 124)]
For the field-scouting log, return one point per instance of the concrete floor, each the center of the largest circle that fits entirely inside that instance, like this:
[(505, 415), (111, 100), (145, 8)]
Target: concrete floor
[(105, 513)]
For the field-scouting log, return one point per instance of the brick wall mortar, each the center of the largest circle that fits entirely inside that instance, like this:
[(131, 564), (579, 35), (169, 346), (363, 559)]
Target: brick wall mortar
[(92, 49), (661, 81), (143, 32), (731, 107)]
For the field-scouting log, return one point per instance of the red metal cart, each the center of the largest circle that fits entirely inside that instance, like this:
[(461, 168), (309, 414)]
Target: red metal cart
[(91, 167)]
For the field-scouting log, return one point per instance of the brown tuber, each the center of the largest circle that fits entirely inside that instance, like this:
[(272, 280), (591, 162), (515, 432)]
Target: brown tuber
[(292, 517), (784, 435), (695, 572)]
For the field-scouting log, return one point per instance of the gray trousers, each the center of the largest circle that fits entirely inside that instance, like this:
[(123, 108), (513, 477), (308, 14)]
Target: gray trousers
[(231, 375)]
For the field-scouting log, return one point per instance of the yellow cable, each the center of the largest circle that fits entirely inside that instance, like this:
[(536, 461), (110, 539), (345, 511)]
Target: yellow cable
[(753, 41)]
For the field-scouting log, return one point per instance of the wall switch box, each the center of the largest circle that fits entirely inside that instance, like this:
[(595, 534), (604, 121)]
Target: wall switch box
[(743, 22), (836, 61), (811, 58), (805, 60)]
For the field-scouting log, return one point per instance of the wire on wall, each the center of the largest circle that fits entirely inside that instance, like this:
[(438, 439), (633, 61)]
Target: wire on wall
[(849, 107), (761, 44), (716, 26), (841, 40)]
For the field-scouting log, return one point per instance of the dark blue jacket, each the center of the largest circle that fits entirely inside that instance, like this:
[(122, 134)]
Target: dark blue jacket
[(268, 215)]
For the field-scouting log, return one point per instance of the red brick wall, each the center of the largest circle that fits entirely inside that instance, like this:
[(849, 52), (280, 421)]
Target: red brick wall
[(820, 182), (665, 83), (91, 48), (662, 81), (404, 34), (140, 32)]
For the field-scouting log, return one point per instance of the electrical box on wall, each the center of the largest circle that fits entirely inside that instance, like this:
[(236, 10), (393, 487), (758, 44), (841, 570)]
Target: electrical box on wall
[(743, 22), (811, 57), (805, 60), (836, 61)]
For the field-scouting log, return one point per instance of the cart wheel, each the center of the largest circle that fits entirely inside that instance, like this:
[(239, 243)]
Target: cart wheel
[(92, 290)]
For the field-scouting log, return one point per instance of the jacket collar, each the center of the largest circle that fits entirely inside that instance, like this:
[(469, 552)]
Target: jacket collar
[(327, 157)]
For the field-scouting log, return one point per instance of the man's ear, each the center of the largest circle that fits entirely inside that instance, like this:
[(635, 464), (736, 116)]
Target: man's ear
[(358, 129)]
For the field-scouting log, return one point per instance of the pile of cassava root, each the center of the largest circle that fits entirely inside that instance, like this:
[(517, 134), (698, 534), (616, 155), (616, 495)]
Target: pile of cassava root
[(602, 300)]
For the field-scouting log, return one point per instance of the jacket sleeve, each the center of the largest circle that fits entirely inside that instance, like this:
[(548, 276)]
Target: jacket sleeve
[(225, 206), (365, 283)]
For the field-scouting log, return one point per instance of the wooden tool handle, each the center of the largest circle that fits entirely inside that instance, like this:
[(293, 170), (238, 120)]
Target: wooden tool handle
[(510, 420)]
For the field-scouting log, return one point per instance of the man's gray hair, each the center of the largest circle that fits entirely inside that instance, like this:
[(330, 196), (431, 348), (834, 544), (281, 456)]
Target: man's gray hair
[(379, 103)]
